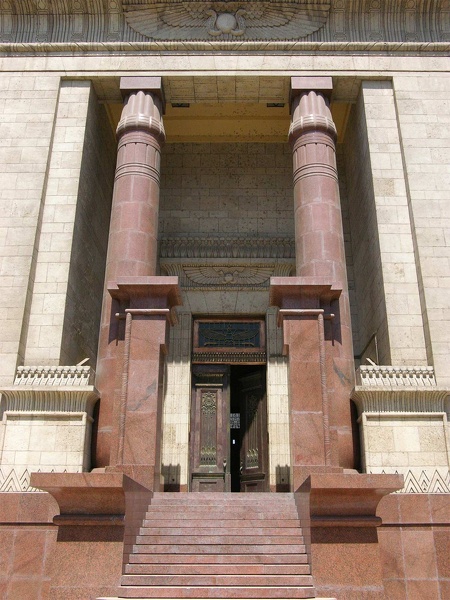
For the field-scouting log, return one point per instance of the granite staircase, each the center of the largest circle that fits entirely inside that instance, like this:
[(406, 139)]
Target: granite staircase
[(219, 546)]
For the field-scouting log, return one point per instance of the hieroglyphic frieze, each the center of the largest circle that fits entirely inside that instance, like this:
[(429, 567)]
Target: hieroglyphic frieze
[(139, 25)]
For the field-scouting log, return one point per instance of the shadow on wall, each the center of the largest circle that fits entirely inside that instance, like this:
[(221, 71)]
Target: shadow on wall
[(283, 478), (171, 475)]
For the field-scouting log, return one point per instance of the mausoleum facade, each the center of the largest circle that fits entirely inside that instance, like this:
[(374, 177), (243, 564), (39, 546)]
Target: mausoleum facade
[(225, 268)]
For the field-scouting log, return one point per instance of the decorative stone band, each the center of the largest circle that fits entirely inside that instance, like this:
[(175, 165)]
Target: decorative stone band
[(382, 48), (313, 170), (423, 481), (395, 376), (312, 123), (376, 24), (51, 389), (229, 357), (398, 389), (137, 169), (31, 399), (76, 375), (143, 123), (224, 247)]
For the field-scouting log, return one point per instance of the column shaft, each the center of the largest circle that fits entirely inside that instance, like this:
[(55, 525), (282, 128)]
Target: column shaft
[(133, 237), (315, 305)]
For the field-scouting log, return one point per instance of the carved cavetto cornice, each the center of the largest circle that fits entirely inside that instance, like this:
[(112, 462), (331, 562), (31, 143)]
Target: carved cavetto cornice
[(241, 19), (222, 277), (225, 247), (388, 389), (38, 26), (45, 389)]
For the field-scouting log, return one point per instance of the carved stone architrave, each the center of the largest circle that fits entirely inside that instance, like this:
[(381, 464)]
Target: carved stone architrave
[(39, 26)]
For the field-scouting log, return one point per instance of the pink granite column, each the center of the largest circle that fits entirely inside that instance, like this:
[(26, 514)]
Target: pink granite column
[(314, 305), (131, 285)]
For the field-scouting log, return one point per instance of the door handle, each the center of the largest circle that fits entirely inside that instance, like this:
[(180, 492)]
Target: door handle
[(224, 465), (241, 468)]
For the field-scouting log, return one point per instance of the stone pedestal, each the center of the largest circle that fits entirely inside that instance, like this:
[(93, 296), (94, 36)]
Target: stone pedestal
[(306, 314), (144, 308), (339, 522)]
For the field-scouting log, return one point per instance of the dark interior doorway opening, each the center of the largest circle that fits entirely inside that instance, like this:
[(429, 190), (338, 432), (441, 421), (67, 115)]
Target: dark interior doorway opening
[(248, 428)]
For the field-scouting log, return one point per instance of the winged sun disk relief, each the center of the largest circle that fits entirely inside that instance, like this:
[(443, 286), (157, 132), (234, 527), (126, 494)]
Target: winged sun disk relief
[(232, 275), (270, 19)]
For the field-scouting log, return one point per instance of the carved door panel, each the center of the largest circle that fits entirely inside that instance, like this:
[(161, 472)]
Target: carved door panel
[(254, 438), (209, 429)]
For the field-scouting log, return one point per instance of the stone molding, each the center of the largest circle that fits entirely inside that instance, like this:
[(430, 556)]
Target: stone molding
[(388, 389), (421, 481), (14, 480), (380, 375), (225, 247), (56, 375), (352, 25), (66, 389), (425, 482)]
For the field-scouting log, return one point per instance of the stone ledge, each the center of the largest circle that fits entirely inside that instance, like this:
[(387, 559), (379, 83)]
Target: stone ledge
[(100, 497), (347, 499)]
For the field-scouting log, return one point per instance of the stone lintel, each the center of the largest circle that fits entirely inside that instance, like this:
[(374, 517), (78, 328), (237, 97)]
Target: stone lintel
[(301, 292), (324, 85), (98, 498), (154, 85), (347, 499), (162, 292)]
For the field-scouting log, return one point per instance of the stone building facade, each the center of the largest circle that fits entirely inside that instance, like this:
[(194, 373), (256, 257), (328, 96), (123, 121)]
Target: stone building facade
[(225, 267)]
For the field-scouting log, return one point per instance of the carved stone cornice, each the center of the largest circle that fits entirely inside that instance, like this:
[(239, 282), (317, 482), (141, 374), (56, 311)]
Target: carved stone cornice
[(51, 389), (225, 247), (388, 389), (42, 26)]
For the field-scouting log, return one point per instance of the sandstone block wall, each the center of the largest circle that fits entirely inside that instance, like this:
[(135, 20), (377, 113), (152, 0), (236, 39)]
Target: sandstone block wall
[(227, 189), (28, 103), (423, 107), (72, 239)]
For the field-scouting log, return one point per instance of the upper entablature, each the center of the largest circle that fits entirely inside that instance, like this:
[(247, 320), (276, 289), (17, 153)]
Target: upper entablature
[(327, 25)]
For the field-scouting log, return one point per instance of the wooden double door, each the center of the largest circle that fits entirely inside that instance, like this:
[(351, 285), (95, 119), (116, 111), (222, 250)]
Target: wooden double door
[(228, 429)]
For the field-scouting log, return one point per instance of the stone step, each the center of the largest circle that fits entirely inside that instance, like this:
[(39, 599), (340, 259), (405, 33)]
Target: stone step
[(217, 569), (218, 549), (236, 512), (222, 500), (221, 529), (219, 538), (211, 523), (219, 559), (143, 592), (218, 580)]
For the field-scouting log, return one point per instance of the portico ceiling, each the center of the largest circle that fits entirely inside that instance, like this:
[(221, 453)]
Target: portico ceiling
[(228, 108)]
